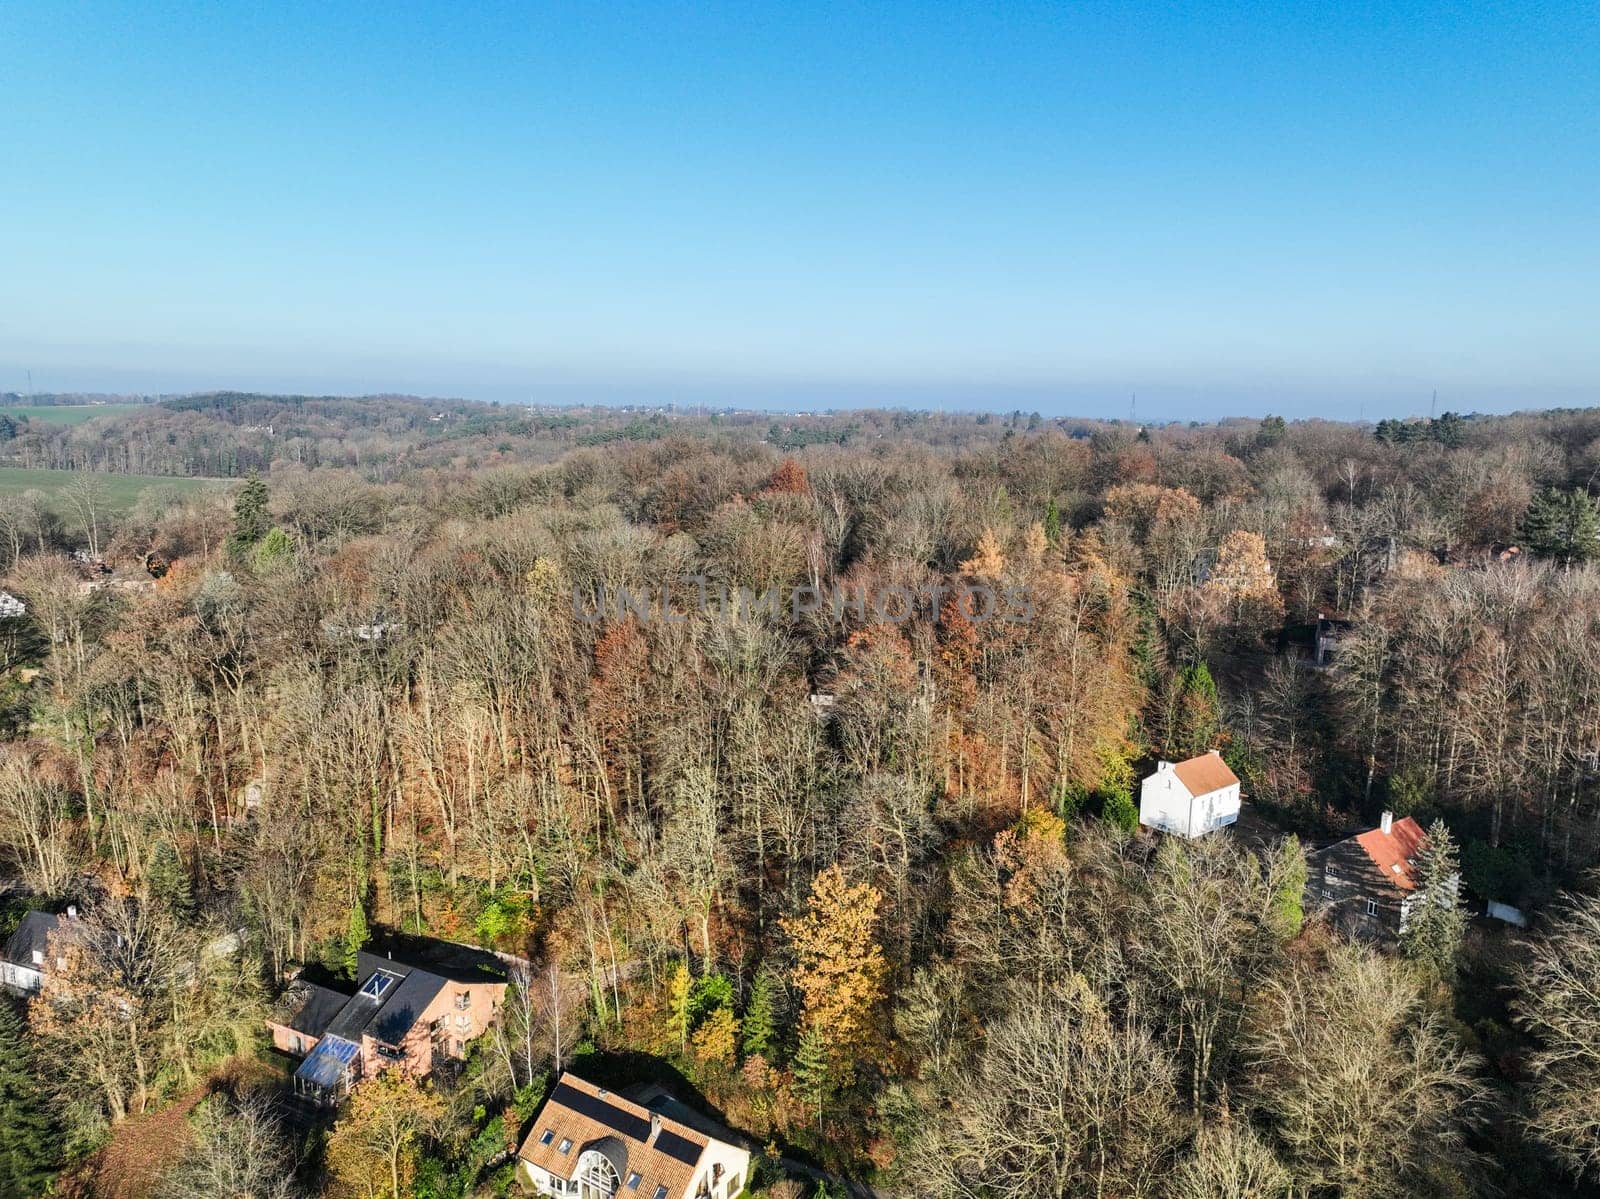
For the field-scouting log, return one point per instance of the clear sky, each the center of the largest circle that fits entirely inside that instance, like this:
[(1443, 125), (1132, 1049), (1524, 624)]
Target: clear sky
[(1294, 207)]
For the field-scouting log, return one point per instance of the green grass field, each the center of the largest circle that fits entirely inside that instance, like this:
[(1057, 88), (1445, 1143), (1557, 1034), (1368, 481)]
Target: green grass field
[(68, 414), (122, 490)]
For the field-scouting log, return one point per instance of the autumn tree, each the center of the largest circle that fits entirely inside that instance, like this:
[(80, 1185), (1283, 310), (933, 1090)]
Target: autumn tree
[(240, 1150), (372, 1150), (839, 968)]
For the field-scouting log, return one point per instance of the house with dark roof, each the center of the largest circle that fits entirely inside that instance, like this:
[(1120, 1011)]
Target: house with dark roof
[(1365, 885), (1190, 798), (398, 1015), (594, 1144), (35, 949)]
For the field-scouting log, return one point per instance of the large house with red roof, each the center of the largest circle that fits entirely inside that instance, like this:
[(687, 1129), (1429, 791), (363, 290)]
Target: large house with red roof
[(592, 1143), (1365, 884)]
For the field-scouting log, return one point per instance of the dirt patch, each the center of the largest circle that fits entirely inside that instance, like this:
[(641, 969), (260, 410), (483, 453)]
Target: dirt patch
[(141, 1147)]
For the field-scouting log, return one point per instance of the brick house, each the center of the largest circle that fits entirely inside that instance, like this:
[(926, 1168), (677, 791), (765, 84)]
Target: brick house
[(399, 1015), (1365, 884), (591, 1143)]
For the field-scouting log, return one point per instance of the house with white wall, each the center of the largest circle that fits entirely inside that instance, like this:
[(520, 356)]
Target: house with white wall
[(1190, 798), (593, 1143)]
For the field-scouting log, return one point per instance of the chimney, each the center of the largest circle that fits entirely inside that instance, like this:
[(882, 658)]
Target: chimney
[(655, 1127), (1218, 752), (1163, 765), (1387, 823)]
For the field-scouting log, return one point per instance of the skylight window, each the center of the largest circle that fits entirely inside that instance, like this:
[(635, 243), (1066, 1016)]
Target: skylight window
[(546, 1137), (566, 1143), (633, 1180), (661, 1191), (376, 986)]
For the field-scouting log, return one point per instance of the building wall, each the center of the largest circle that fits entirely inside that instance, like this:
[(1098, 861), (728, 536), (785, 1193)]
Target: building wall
[(1342, 882), (1165, 804), (461, 1026), (735, 1174), (290, 1041), (25, 980)]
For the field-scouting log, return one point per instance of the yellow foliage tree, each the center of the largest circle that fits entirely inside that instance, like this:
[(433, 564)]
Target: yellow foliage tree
[(839, 965), (716, 1038), (987, 562), (372, 1150)]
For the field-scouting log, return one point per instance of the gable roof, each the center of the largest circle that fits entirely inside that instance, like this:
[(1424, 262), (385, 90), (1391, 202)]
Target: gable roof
[(1393, 853), (661, 1150), (1205, 773), (32, 936), (318, 1005), (389, 1015)]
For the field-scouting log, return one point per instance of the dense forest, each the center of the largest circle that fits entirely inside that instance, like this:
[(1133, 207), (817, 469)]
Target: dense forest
[(864, 879)]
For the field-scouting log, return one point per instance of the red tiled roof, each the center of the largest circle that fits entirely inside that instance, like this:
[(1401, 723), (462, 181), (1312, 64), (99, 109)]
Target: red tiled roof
[(1397, 848), (1205, 774)]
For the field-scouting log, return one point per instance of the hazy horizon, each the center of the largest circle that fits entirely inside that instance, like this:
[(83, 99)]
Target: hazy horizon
[(1227, 211)]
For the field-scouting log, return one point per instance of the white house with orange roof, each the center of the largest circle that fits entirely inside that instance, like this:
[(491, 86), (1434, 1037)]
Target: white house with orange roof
[(1190, 798)]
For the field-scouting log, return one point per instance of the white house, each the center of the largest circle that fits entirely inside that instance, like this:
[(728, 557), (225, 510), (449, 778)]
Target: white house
[(594, 1144), (1192, 798)]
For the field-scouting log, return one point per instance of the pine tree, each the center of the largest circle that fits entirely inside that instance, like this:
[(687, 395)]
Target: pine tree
[(29, 1137), (761, 1015), (1199, 716), (1435, 919), (813, 1081), (1564, 525), (1118, 810), (1052, 522), (356, 936), (251, 520), (168, 879)]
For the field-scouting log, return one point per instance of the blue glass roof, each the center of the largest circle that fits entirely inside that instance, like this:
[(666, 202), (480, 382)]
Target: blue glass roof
[(325, 1064)]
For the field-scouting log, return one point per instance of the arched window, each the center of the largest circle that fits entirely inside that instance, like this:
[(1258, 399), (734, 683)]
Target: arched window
[(597, 1177)]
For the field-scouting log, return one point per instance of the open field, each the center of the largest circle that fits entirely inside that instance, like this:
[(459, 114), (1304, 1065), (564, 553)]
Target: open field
[(122, 490), (67, 414)]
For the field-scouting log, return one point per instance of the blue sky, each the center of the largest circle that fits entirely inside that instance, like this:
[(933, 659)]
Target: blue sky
[(1226, 209)]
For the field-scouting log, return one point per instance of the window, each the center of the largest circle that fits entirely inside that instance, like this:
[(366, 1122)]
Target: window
[(1372, 907), (38, 957), (546, 1137), (1327, 893), (299, 1046), (566, 1144), (633, 1180), (733, 1185), (463, 1001), (378, 984), (661, 1191)]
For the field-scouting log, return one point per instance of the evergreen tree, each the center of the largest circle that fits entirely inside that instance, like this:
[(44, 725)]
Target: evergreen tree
[(1288, 901), (29, 1138), (1118, 810), (355, 938), (761, 1015), (1199, 716), (1052, 522), (813, 1081), (1564, 525), (251, 520), (1435, 919), (168, 879)]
